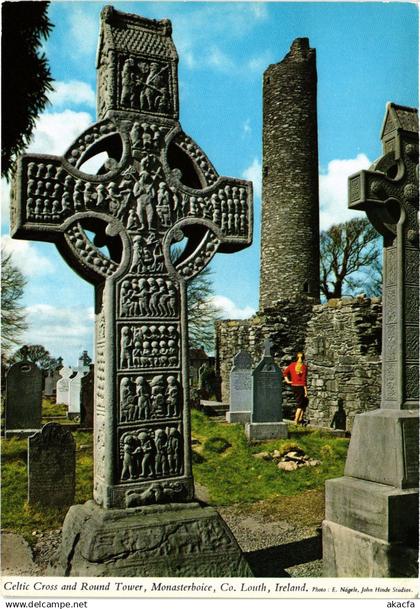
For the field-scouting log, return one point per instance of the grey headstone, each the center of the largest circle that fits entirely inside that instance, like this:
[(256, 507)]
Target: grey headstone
[(51, 380), (267, 413), (51, 466), (62, 396), (23, 407), (157, 187), (86, 399), (240, 404)]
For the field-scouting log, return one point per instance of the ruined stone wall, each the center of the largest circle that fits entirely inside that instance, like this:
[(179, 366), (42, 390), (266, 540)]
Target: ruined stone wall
[(285, 324), (343, 349), (290, 206), (342, 343)]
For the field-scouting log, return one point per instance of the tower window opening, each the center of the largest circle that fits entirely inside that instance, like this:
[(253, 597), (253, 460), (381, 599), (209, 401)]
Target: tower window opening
[(266, 171), (306, 287)]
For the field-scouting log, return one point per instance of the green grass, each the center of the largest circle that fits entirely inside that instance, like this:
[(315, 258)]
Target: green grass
[(51, 409), (223, 461), (22, 518), (235, 475)]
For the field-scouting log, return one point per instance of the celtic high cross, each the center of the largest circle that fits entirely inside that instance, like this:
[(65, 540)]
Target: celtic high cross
[(389, 194), (155, 188)]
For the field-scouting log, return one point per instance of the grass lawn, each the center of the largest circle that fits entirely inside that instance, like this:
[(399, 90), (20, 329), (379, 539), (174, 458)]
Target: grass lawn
[(223, 462)]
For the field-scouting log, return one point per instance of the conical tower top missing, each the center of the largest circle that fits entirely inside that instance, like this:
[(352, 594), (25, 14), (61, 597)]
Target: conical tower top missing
[(290, 201)]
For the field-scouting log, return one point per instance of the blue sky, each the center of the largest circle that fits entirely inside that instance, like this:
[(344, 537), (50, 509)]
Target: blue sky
[(367, 54)]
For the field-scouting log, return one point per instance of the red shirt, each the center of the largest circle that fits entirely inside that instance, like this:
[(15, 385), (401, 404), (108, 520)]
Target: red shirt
[(297, 379)]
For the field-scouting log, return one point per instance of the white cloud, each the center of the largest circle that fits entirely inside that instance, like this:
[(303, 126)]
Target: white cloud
[(253, 173), (27, 257), (333, 190), (259, 63), (63, 331), (83, 30), (56, 131), (229, 310), (72, 92), (217, 59)]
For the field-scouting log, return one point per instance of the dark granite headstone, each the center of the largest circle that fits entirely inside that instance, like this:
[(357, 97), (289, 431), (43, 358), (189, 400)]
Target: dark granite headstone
[(51, 467), (86, 399), (267, 413), (156, 188), (371, 516), (23, 406), (241, 395)]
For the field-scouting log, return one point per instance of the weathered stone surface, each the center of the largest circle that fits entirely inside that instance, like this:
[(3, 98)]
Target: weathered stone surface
[(350, 553), (241, 395), (290, 207), (156, 188), (379, 510), (265, 431), (384, 448), (382, 461), (343, 351), (267, 390), (23, 407), (16, 555), (51, 466), (156, 541)]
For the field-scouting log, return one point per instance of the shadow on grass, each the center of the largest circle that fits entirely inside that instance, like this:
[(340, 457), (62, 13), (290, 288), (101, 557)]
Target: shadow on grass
[(272, 562)]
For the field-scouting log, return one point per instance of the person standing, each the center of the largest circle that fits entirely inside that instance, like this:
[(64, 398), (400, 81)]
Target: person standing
[(296, 375)]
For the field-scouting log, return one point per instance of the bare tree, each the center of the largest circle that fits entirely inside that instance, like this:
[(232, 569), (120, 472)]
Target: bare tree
[(351, 259), (12, 312), (37, 354), (202, 312)]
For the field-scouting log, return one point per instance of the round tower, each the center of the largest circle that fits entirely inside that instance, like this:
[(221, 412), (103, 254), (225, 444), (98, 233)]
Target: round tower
[(290, 204)]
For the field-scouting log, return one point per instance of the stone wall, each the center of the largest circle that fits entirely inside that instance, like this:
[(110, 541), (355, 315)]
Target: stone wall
[(343, 349), (285, 324), (290, 208), (342, 343)]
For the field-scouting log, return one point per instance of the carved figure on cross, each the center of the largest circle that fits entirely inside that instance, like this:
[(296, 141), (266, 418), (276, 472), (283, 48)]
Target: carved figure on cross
[(155, 188)]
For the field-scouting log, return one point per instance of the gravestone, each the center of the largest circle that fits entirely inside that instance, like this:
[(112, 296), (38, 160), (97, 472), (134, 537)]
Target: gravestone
[(62, 395), (23, 405), (51, 380), (75, 386), (51, 467), (84, 362), (240, 403), (371, 516), (86, 399), (156, 188), (267, 414)]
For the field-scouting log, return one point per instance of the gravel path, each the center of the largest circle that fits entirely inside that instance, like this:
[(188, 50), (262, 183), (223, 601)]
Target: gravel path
[(278, 539)]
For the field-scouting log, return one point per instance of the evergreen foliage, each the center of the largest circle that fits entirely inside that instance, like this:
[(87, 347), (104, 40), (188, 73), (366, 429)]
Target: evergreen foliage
[(26, 77)]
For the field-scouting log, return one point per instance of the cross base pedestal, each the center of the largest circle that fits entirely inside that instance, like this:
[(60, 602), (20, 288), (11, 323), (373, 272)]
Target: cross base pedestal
[(266, 431), (172, 540), (371, 523), (350, 553)]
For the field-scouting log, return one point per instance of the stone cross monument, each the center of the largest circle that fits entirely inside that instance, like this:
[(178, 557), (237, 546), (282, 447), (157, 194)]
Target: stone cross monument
[(382, 462), (155, 188)]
